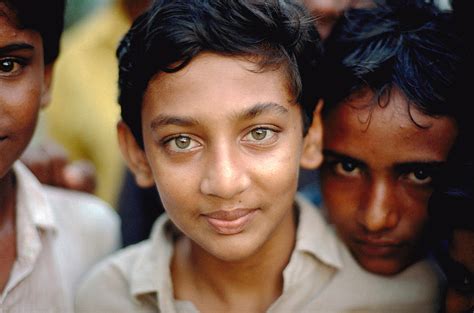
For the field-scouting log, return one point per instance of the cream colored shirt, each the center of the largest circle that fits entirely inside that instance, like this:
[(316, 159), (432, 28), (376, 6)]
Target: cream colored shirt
[(60, 234), (320, 277)]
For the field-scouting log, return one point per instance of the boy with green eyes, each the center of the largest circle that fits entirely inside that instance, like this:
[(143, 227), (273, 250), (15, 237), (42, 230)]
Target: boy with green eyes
[(388, 127), (218, 112)]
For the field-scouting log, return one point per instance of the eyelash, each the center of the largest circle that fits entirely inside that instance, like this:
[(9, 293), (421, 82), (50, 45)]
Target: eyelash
[(169, 141), (20, 62), (266, 141), (337, 166)]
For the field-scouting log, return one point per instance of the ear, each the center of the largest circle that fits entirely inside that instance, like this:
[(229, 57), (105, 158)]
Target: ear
[(47, 80), (134, 156), (312, 155)]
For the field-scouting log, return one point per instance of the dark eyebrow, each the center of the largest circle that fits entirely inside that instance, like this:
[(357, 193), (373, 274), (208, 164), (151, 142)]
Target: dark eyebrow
[(400, 167), (427, 165), (15, 47), (340, 156), (260, 108), (164, 120)]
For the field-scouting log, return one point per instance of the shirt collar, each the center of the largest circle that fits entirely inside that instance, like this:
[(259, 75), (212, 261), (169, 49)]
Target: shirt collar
[(151, 272), (315, 236), (32, 200)]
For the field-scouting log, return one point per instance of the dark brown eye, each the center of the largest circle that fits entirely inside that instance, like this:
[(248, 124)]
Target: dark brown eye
[(7, 65)]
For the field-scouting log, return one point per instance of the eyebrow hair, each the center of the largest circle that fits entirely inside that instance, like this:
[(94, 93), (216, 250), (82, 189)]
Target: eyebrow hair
[(259, 108), (15, 47), (337, 155), (402, 166), (163, 120), (429, 165)]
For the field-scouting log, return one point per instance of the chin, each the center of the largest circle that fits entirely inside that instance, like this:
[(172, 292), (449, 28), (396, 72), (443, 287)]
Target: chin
[(382, 266), (233, 250)]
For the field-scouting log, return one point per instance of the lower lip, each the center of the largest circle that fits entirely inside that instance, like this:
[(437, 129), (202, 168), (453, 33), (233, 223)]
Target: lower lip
[(233, 227), (378, 250)]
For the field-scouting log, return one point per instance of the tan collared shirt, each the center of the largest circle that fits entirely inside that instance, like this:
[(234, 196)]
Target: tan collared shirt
[(60, 234), (320, 277)]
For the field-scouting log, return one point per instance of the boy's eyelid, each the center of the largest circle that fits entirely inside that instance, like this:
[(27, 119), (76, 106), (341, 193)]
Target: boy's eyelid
[(410, 167), (335, 157)]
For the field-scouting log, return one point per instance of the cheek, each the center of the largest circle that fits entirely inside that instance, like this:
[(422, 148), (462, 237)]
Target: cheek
[(457, 303), (414, 219), (278, 171), (340, 202), (175, 184)]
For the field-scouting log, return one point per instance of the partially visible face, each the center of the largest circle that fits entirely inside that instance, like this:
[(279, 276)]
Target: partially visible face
[(377, 177), (327, 12), (22, 87), (224, 143), (460, 294)]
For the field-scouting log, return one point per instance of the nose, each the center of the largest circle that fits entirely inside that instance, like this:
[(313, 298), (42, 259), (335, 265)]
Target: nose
[(225, 173), (378, 211), (327, 7)]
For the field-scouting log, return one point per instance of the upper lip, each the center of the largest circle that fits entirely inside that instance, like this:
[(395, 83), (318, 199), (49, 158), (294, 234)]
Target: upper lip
[(228, 215), (379, 242)]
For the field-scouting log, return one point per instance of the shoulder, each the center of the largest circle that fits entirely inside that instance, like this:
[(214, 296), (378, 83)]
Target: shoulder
[(84, 218), (83, 207), (414, 290), (107, 286)]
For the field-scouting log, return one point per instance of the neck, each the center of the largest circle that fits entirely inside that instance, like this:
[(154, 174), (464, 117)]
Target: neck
[(249, 285), (7, 199), (7, 227)]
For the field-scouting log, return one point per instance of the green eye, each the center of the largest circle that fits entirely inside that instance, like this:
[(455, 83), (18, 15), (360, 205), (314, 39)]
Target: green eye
[(182, 142), (259, 133)]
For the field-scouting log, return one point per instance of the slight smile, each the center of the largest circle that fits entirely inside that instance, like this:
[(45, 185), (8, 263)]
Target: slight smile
[(230, 222), (378, 248)]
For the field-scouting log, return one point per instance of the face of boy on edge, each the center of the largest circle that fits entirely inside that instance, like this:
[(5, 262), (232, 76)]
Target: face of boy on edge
[(460, 293), (223, 145), (23, 87), (376, 177)]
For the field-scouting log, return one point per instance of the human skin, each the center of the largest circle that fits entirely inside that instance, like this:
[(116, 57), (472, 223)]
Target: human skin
[(377, 177), (327, 12), (24, 89), (223, 145), (461, 250)]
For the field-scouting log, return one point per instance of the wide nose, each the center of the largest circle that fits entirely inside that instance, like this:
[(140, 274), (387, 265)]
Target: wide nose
[(226, 174), (378, 210)]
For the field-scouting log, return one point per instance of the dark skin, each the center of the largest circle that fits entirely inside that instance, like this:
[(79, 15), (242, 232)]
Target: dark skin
[(7, 230), (134, 7)]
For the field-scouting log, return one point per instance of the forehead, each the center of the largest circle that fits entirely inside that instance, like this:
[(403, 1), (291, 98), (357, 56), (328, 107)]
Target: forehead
[(7, 13), (10, 28), (391, 131), (213, 84)]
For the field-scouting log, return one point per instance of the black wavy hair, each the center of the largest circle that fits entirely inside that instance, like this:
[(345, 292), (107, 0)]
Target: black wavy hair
[(405, 44), (172, 32), (45, 17)]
